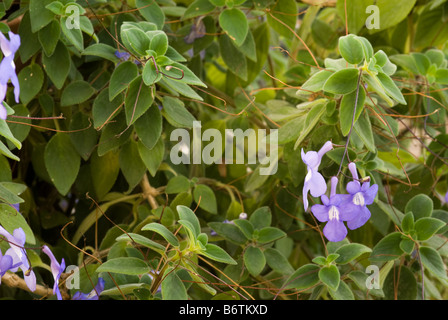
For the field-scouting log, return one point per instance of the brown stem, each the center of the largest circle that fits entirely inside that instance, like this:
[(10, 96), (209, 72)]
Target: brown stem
[(14, 281), (149, 192)]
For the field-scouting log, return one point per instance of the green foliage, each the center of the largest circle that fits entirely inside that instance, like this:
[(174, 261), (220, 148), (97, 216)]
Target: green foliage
[(88, 149)]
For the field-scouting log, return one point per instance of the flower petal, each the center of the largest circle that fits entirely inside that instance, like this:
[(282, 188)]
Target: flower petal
[(362, 217), (317, 184), (320, 212), (335, 230), (353, 187), (370, 194)]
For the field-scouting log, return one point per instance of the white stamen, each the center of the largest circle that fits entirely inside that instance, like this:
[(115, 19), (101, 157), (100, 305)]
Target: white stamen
[(308, 176), (333, 213), (358, 199)]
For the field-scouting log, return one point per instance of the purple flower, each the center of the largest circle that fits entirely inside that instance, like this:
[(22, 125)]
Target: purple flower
[(5, 264), (18, 254), (333, 212), (314, 181), (8, 69), (93, 295), (360, 197), (122, 55), (197, 31), (446, 197), (56, 270)]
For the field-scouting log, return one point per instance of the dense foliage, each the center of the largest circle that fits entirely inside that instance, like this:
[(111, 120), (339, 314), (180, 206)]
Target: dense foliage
[(116, 176)]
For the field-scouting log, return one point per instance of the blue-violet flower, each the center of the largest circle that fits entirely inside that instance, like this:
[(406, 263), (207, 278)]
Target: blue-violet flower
[(334, 213), (56, 270), (8, 69), (314, 181), (361, 196)]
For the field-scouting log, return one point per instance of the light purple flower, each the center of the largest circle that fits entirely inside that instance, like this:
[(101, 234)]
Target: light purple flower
[(314, 181), (446, 197), (334, 213), (18, 255), (8, 69), (56, 270), (361, 196), (5, 264), (93, 295)]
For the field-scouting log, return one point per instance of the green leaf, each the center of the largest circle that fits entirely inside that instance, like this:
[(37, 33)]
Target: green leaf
[(6, 132), (391, 88), (421, 206), (347, 107), (246, 227), (269, 234), (131, 164), (159, 43), (407, 224), (163, 231), (277, 261), (29, 43), (121, 77), (205, 197), (172, 286), (31, 79), (57, 66), (150, 74), (177, 184), (176, 113), (393, 12), (407, 245), (187, 214), (342, 82), (10, 219), (351, 49), (312, 118), (103, 109), (83, 136), (254, 260), (261, 217), (39, 15), (351, 251), (216, 253), (387, 248), (330, 276), (74, 35), (101, 50), (400, 284), (233, 58), (363, 128), (124, 265), (284, 11), (229, 232), (342, 293), (151, 11), (356, 13), (76, 92), (433, 262), (138, 100), (198, 8), (141, 240), (426, 227), (304, 277), (315, 82), (234, 23), (134, 39), (62, 162), (152, 158), (104, 172)]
